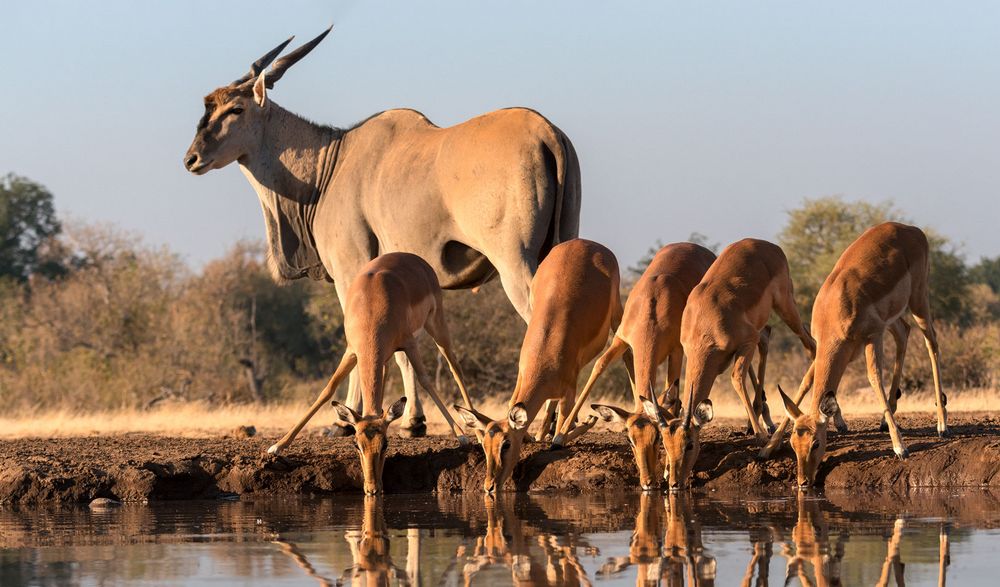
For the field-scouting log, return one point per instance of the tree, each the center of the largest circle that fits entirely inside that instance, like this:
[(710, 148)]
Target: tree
[(987, 271), (27, 221)]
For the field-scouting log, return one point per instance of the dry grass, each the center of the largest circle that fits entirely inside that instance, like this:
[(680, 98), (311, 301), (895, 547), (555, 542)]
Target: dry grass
[(196, 419)]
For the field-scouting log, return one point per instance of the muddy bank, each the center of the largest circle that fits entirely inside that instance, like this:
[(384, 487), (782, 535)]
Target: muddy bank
[(145, 467)]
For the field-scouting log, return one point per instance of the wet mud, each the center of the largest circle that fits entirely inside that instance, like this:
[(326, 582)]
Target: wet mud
[(141, 467)]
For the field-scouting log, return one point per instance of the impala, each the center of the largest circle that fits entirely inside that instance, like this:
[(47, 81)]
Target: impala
[(394, 297), (877, 279), (575, 303), (649, 334), (485, 198)]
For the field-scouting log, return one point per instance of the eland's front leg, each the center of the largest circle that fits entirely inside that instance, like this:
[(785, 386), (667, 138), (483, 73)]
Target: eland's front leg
[(414, 422)]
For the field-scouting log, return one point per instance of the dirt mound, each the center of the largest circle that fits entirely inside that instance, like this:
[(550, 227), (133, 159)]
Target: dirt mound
[(139, 467)]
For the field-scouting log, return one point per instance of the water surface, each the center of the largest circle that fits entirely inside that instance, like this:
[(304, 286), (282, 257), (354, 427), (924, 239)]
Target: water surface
[(614, 539)]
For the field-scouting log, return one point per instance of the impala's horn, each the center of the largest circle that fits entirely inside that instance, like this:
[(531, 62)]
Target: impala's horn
[(281, 66), (258, 66)]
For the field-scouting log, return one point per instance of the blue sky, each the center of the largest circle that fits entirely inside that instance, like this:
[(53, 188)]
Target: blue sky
[(714, 117)]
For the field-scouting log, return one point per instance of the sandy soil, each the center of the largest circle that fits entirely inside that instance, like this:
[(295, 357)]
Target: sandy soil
[(135, 467)]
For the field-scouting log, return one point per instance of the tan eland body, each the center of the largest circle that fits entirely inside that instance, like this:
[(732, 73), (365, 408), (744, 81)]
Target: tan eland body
[(575, 304), (878, 278), (488, 197)]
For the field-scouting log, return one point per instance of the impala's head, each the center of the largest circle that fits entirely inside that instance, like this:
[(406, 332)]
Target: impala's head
[(501, 442), (232, 126), (808, 438), (681, 442), (642, 429), (371, 439)]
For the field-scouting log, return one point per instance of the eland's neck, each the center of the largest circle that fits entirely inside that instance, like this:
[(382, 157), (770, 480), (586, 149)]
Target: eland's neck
[(295, 160)]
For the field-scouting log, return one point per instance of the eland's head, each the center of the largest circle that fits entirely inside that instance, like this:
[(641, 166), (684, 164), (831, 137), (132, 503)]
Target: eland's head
[(231, 127)]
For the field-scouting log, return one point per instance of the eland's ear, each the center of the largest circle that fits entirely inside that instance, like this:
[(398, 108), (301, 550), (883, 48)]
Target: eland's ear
[(345, 413), (653, 411), (703, 413), (395, 410), (472, 418), (792, 410), (260, 90), (609, 413), (517, 417), (828, 406)]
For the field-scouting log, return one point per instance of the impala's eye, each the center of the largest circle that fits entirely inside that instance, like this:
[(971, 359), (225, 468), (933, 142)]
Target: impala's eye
[(689, 447), (815, 445), (505, 446), (236, 110)]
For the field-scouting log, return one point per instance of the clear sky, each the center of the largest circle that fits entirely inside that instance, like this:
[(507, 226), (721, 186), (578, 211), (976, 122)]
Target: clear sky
[(714, 117)]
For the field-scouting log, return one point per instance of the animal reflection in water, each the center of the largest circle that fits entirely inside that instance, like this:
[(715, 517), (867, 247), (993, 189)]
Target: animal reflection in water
[(369, 547), (534, 557), (666, 548), (670, 555), (815, 560)]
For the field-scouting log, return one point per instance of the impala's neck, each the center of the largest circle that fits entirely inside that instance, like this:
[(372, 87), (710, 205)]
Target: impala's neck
[(290, 173)]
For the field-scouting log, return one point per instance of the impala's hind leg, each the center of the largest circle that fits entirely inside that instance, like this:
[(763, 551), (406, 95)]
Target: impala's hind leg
[(418, 369), (346, 365), (920, 308), (760, 403), (741, 364), (874, 356), (900, 331), (548, 422)]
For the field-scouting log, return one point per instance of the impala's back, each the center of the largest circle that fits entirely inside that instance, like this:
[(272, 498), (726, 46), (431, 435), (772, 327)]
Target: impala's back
[(573, 296)]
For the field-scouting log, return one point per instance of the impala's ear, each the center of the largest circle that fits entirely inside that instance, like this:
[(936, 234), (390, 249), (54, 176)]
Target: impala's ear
[(828, 406), (395, 410), (793, 411), (260, 90), (345, 413), (517, 417), (472, 418), (703, 413), (654, 412), (610, 413)]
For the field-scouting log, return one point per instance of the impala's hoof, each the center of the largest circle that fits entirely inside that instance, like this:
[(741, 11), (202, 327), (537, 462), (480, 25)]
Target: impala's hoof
[(771, 428), (557, 442), (883, 427), (842, 428), (463, 440), (903, 455), (944, 433), (416, 429), (273, 449), (341, 430)]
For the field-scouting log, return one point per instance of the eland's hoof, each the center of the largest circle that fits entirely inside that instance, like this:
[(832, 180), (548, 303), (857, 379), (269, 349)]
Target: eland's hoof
[(341, 430), (416, 429)]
